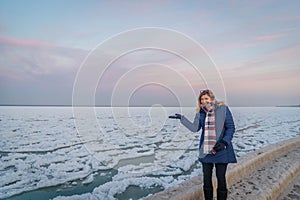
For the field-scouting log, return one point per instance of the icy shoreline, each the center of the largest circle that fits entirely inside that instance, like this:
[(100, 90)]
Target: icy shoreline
[(263, 174)]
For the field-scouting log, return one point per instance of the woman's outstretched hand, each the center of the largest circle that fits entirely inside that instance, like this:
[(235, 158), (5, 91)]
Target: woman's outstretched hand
[(176, 116)]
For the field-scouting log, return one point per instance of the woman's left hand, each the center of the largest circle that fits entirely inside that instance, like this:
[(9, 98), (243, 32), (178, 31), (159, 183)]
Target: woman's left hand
[(220, 146)]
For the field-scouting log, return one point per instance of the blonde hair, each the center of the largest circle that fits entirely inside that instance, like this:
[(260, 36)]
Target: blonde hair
[(211, 95)]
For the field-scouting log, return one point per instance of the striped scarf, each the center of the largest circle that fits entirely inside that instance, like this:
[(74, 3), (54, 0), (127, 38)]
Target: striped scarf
[(209, 129)]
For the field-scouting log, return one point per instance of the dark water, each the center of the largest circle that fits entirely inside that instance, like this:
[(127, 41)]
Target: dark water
[(66, 189)]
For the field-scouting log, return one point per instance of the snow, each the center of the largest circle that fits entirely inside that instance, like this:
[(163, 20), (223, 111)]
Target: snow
[(48, 146)]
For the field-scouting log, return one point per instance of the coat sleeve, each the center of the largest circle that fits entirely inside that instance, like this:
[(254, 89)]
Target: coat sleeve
[(195, 126), (229, 126)]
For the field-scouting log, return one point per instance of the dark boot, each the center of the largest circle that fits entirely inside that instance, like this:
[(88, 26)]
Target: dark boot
[(221, 194), (208, 193)]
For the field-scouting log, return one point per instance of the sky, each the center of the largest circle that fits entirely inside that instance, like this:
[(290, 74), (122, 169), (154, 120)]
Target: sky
[(254, 45)]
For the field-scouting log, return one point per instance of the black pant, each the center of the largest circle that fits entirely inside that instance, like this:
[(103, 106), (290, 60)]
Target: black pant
[(220, 173)]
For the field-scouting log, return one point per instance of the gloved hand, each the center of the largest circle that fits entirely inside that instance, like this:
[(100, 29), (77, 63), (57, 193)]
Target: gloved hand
[(176, 116), (220, 146)]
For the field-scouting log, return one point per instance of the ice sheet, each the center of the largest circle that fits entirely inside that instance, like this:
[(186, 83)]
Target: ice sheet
[(41, 147)]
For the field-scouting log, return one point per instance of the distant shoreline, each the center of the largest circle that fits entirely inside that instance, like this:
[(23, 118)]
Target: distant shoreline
[(49, 105), (85, 105), (288, 106)]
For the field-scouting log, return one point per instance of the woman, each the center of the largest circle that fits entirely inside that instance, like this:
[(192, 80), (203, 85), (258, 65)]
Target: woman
[(215, 149)]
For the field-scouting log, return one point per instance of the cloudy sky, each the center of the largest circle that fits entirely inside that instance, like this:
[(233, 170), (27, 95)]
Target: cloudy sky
[(255, 45)]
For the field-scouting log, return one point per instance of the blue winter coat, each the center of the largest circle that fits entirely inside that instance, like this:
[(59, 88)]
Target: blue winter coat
[(225, 129)]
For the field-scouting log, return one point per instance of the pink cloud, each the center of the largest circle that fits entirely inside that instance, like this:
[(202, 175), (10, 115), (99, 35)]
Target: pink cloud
[(257, 41), (270, 37), (260, 40), (11, 76), (290, 53), (285, 58), (25, 59), (131, 7), (21, 42), (289, 18)]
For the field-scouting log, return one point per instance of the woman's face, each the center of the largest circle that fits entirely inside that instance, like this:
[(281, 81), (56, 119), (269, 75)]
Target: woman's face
[(205, 99)]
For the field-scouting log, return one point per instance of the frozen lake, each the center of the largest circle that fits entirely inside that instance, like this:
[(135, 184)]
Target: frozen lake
[(119, 153)]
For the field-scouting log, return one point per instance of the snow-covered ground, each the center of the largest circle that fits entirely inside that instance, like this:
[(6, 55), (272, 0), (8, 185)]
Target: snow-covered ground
[(116, 153)]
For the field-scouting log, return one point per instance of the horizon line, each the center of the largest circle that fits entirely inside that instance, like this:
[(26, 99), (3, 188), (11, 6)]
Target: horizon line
[(68, 105)]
